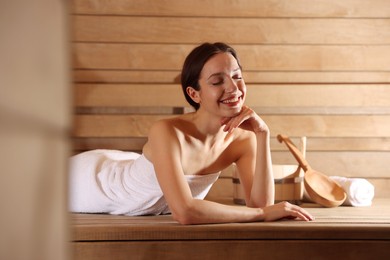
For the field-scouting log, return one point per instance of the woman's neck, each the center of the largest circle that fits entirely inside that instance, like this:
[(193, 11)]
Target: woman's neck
[(208, 126)]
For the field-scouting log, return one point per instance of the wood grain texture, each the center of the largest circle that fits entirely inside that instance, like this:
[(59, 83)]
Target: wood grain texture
[(135, 29), (363, 233), (242, 8), (314, 144), (275, 96), (232, 249), (254, 57), (291, 125), (330, 223), (251, 77)]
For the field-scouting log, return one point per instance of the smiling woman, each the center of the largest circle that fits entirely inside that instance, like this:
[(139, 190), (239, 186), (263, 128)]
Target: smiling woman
[(201, 144), (195, 63)]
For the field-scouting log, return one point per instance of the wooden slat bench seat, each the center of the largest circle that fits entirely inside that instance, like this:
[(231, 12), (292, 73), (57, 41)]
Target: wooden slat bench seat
[(336, 233)]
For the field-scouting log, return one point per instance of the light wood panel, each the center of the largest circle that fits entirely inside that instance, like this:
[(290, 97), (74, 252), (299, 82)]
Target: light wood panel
[(81, 144), (342, 163), (242, 8), (123, 29), (315, 144), (268, 96), (131, 76), (129, 95), (254, 57), (232, 249), (166, 77), (292, 125)]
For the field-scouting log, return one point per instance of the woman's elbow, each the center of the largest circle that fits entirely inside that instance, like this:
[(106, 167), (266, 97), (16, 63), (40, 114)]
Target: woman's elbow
[(182, 219), (184, 215)]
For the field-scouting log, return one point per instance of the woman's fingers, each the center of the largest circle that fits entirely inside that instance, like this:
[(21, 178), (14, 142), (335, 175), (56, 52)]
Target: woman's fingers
[(286, 210), (246, 119), (300, 212)]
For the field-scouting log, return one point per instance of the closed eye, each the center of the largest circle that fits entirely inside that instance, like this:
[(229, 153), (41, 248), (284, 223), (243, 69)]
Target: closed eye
[(217, 83)]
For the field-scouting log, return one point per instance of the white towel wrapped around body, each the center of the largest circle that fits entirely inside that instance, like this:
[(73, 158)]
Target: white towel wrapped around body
[(360, 192), (118, 182)]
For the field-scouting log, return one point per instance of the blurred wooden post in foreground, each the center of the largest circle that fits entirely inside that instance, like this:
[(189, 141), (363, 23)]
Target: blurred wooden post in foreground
[(34, 129)]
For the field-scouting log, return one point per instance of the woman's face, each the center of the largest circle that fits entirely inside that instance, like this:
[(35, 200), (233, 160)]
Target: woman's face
[(222, 88)]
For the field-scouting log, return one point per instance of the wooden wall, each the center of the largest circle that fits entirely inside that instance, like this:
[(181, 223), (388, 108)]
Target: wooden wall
[(315, 68)]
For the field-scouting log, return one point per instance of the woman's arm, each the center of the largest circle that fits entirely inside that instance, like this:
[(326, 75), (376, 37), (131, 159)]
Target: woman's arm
[(254, 167), (263, 189), (166, 154), (254, 164)]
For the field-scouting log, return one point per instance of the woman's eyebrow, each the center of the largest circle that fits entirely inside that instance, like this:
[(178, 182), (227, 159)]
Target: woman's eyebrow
[(215, 74), (221, 73)]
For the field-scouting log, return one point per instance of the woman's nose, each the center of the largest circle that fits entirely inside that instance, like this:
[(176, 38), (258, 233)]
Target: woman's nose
[(231, 86)]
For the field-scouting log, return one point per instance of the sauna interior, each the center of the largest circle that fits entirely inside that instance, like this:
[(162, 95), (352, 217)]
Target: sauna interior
[(96, 74)]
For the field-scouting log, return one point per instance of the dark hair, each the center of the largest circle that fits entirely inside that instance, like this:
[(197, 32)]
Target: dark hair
[(194, 63)]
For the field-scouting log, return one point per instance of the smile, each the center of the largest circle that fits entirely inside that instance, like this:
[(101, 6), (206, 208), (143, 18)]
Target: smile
[(231, 100)]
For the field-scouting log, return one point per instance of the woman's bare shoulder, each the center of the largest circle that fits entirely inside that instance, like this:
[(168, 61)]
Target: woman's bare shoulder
[(168, 125), (162, 135), (168, 131)]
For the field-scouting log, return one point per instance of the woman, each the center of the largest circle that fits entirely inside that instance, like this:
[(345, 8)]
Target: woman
[(184, 155)]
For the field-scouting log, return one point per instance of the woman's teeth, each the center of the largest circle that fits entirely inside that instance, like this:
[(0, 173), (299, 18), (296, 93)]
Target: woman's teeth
[(230, 100)]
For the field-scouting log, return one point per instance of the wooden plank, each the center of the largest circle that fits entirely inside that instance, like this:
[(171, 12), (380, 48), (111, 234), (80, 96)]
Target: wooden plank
[(128, 76), (308, 95), (251, 77), (330, 126), (291, 125), (130, 110), (348, 164), (233, 249), (381, 187), (322, 110), (331, 223), (273, 96), (253, 57), (123, 29), (169, 95), (330, 144), (121, 143), (242, 8), (113, 125), (333, 144), (304, 77)]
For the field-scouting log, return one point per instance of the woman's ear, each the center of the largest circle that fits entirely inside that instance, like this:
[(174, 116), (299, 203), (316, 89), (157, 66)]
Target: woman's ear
[(193, 94)]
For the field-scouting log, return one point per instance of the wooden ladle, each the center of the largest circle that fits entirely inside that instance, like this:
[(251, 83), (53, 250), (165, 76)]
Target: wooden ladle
[(321, 189)]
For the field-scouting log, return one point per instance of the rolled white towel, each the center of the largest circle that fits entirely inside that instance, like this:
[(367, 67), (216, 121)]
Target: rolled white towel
[(360, 192)]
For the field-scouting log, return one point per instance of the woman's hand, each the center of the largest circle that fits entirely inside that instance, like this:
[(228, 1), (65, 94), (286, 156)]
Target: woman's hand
[(247, 119), (286, 210)]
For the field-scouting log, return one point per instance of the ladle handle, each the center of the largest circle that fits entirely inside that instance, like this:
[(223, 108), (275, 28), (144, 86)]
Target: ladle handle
[(295, 151)]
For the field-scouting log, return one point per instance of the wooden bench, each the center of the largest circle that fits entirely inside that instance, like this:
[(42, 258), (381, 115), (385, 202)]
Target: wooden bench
[(336, 233)]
